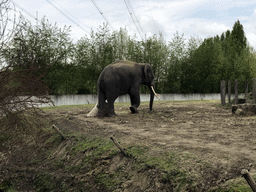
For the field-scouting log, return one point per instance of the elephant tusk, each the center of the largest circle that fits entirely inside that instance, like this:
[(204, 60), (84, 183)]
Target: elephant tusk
[(157, 95)]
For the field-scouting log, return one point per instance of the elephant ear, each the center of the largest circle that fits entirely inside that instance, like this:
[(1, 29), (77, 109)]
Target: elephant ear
[(147, 70)]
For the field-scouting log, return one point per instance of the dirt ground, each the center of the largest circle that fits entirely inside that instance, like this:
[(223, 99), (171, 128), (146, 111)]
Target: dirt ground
[(200, 128)]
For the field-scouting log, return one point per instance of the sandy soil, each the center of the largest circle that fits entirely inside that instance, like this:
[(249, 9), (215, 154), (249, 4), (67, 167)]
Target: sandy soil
[(202, 128)]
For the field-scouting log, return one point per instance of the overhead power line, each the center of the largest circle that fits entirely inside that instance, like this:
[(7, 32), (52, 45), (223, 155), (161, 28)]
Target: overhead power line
[(98, 8), (134, 18), (24, 10), (67, 16)]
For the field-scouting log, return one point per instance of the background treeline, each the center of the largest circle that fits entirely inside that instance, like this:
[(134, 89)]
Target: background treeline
[(180, 65)]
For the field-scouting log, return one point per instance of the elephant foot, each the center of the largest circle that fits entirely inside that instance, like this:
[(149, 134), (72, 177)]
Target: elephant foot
[(110, 115), (133, 109), (106, 115)]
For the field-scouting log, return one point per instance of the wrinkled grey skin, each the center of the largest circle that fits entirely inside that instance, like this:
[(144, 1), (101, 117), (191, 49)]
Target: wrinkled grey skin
[(120, 78)]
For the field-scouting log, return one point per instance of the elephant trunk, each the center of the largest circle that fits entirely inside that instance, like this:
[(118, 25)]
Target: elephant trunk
[(152, 94)]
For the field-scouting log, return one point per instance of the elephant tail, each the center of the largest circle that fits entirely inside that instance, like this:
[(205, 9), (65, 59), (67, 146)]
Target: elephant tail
[(93, 112)]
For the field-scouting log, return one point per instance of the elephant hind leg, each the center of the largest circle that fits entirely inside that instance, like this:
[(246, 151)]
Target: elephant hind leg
[(106, 105), (110, 108), (101, 104)]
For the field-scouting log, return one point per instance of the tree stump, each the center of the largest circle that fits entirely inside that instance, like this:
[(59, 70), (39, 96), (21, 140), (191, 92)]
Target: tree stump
[(223, 92), (244, 109)]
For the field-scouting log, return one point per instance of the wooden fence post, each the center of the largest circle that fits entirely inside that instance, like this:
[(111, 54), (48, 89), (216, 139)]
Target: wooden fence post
[(249, 179), (246, 90), (223, 92), (229, 91), (254, 90), (236, 91)]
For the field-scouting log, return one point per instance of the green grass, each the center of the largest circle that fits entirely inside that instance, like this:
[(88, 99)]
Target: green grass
[(171, 163), (90, 106), (45, 182), (54, 140), (91, 150), (98, 145), (66, 107), (109, 181), (238, 184)]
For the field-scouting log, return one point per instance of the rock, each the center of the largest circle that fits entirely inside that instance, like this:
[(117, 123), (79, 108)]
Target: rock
[(244, 109), (239, 112), (234, 108)]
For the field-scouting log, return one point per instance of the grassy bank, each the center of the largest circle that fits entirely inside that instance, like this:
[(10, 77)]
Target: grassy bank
[(92, 162)]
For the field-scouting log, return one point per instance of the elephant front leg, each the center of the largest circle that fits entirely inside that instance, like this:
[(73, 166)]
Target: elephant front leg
[(135, 102)]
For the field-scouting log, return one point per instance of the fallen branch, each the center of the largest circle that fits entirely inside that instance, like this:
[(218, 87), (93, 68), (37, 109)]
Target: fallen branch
[(118, 145), (249, 179), (59, 131)]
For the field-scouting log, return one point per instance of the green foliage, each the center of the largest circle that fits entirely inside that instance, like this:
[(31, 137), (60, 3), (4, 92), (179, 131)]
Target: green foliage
[(45, 46), (228, 57), (180, 66)]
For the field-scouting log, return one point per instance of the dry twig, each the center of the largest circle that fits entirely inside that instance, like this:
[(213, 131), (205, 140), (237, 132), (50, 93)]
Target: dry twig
[(118, 145)]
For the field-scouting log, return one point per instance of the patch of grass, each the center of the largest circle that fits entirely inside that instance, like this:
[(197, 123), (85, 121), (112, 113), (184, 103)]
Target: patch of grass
[(239, 184), (193, 101), (89, 151), (66, 107), (5, 185), (4, 138), (137, 150), (97, 145), (58, 164), (55, 139), (92, 151), (89, 106), (171, 163), (45, 182), (228, 105), (11, 190), (109, 181)]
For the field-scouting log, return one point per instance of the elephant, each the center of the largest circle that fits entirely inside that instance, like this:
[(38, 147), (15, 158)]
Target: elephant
[(120, 78)]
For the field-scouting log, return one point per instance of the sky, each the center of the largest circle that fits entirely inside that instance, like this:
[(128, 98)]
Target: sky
[(196, 18)]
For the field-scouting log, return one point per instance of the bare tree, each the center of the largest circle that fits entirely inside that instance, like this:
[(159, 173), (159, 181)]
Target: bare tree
[(22, 89), (6, 8)]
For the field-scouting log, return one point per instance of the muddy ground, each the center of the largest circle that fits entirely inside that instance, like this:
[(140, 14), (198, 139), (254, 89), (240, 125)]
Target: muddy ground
[(202, 129)]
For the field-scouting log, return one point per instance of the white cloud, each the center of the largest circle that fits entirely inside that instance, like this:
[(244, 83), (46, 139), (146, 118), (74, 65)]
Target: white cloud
[(190, 17), (251, 37), (250, 28), (226, 4)]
